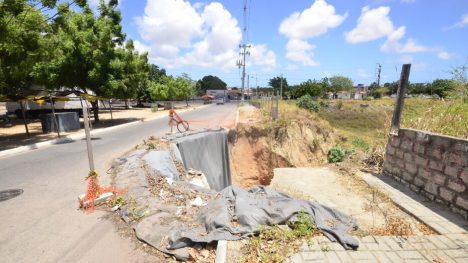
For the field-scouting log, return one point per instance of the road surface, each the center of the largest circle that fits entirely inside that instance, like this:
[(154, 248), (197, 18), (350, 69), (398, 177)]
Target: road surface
[(44, 225)]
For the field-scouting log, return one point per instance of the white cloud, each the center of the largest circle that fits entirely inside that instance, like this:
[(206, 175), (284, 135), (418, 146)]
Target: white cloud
[(178, 33), (393, 43), (375, 24), (300, 51), (312, 22), (372, 24), (140, 47), (463, 21), (408, 1), (445, 55), (261, 55)]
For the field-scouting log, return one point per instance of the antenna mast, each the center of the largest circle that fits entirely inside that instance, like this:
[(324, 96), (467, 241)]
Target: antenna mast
[(244, 50)]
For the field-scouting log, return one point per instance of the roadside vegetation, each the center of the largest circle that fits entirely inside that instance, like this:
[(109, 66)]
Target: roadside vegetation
[(274, 244)]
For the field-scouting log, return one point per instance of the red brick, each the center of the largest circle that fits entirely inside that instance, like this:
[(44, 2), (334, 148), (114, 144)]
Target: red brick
[(419, 182), (390, 150), (420, 161), (464, 175), (408, 157), (407, 144), (424, 173), (418, 148), (438, 166), (400, 154), (431, 188), (422, 137), (451, 171), (394, 141), (407, 177), (461, 146), (447, 194), (440, 142), (411, 168), (436, 153), (440, 179), (456, 186), (462, 202), (457, 159), (409, 134)]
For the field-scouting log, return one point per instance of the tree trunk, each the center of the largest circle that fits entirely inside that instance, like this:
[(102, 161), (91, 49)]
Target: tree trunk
[(126, 104), (95, 105)]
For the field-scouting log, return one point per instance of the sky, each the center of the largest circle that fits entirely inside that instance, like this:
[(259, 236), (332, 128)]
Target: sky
[(301, 39)]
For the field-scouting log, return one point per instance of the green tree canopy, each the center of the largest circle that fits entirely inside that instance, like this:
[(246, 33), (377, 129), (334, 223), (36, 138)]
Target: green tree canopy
[(210, 82), (314, 88), (275, 83), (443, 87), (340, 83)]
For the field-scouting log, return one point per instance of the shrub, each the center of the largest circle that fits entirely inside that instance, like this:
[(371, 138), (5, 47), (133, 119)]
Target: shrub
[(336, 155), (306, 102)]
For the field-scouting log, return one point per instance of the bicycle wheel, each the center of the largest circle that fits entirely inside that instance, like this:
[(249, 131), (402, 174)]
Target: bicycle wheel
[(183, 126)]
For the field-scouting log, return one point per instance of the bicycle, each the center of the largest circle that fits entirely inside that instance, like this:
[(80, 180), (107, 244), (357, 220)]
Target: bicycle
[(182, 125)]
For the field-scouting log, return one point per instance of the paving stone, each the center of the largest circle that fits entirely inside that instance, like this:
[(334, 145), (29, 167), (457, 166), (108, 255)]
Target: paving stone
[(457, 253), (393, 256), (377, 247), (344, 256), (361, 255), (332, 257), (410, 254), (415, 261), (313, 255), (336, 246), (438, 256), (447, 241), (381, 257), (296, 258)]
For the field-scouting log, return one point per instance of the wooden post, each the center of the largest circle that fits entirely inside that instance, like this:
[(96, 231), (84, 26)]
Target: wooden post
[(400, 98), (24, 119), (89, 147)]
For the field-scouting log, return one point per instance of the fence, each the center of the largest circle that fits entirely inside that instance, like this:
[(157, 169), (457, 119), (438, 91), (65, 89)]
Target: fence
[(268, 104)]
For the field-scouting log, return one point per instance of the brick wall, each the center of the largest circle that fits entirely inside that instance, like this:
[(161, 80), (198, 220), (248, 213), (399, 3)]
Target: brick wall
[(431, 164)]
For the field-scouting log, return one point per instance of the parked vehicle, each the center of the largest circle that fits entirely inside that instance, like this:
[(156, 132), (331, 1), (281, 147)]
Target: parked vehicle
[(34, 109), (219, 101)]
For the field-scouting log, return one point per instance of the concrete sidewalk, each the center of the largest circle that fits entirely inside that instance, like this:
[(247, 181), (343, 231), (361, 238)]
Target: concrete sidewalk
[(450, 244)]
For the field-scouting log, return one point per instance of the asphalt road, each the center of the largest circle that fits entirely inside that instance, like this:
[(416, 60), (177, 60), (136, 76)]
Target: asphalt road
[(44, 225)]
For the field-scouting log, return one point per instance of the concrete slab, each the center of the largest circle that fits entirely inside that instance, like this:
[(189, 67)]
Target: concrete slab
[(322, 185)]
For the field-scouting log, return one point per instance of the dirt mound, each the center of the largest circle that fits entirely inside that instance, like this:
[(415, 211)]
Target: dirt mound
[(256, 149)]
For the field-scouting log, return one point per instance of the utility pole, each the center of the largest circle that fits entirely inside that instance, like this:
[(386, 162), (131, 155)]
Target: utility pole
[(281, 87), (405, 72), (256, 85), (244, 50), (379, 69)]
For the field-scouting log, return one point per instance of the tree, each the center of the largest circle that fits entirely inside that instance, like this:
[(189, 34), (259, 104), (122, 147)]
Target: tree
[(461, 81), (210, 83), (312, 88), (275, 83), (443, 87), (86, 53), (21, 47), (391, 87), (340, 83), (130, 72)]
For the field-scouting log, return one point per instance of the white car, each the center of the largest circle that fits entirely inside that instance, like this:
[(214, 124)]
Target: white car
[(219, 101)]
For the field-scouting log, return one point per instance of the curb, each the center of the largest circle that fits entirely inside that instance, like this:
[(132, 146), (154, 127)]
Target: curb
[(79, 135), (221, 248)]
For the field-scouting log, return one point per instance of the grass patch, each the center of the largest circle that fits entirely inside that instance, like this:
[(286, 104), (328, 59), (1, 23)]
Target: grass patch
[(275, 244)]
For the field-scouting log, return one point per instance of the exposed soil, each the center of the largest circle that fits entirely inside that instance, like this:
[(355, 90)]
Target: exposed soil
[(258, 146)]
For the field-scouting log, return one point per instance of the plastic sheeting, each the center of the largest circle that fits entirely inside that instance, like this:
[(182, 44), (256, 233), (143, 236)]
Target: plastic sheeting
[(256, 207), (208, 152)]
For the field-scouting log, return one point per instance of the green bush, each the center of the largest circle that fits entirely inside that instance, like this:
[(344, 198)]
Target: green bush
[(336, 155), (306, 102)]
